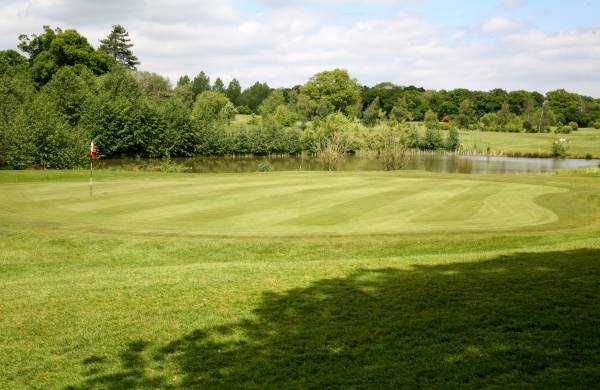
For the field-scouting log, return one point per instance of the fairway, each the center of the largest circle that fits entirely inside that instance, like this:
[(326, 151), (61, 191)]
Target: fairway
[(582, 143), (298, 279), (280, 204)]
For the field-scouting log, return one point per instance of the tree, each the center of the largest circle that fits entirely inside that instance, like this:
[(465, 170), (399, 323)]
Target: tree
[(200, 84), (118, 45), (566, 106), (466, 114), (208, 105), (11, 61), (494, 99), (156, 86), (42, 137), (504, 115), (336, 87), (305, 108), (254, 95), (184, 80), (228, 112), (401, 111), (431, 119), (218, 86), (453, 139), (69, 92), (54, 49), (183, 95), (234, 92), (373, 113), (432, 140), (270, 104)]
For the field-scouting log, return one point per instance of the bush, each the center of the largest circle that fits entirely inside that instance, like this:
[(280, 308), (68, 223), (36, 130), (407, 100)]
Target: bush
[(432, 140), (168, 165), (332, 154), (40, 136), (391, 150), (208, 106), (560, 147), (265, 166), (244, 110), (574, 126), (563, 129), (412, 139)]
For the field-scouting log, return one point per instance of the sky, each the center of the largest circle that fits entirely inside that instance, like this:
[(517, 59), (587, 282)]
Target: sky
[(510, 44)]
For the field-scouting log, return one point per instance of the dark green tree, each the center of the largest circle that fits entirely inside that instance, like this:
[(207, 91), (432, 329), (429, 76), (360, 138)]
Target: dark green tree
[(466, 114), (452, 139), (70, 92), (373, 113), (254, 95), (200, 84), (184, 80), (54, 49), (234, 92), (118, 45), (218, 86)]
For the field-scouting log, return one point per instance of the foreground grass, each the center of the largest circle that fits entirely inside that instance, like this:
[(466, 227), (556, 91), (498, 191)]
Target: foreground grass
[(298, 280), (582, 143)]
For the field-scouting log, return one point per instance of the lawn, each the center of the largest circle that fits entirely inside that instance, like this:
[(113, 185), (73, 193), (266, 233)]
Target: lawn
[(298, 279), (582, 143)]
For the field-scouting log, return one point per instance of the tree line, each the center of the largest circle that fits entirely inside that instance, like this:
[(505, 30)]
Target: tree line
[(58, 92)]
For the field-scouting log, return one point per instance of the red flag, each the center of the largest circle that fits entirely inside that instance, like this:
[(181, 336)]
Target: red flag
[(93, 151)]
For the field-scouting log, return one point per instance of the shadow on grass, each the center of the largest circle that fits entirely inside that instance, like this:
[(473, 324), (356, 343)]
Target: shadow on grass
[(524, 319)]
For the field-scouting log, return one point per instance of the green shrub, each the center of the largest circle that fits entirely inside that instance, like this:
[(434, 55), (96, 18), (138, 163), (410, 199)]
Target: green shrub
[(332, 154), (560, 147), (562, 129), (391, 150), (574, 126), (432, 140), (244, 110), (265, 166), (412, 139), (453, 139), (41, 136), (168, 165)]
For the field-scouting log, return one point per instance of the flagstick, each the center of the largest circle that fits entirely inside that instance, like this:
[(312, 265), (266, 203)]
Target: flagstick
[(91, 177)]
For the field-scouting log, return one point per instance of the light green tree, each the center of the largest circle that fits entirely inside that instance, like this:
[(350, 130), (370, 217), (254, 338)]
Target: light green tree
[(335, 87), (208, 105)]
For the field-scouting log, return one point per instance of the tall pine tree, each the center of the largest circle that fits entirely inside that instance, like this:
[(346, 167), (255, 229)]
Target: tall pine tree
[(218, 86), (118, 44), (234, 91)]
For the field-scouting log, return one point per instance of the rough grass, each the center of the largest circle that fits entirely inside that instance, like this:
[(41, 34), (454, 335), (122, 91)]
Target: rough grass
[(298, 280)]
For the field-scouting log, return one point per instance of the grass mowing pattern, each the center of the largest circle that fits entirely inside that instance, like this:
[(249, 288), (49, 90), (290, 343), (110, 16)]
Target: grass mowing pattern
[(281, 204), (130, 301)]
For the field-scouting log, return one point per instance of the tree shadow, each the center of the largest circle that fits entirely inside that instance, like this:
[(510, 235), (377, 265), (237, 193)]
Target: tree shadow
[(530, 319)]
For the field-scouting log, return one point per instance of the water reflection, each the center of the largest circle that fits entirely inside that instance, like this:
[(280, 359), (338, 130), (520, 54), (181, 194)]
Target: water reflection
[(427, 162)]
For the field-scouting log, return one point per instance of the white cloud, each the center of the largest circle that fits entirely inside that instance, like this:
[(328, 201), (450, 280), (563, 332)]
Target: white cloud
[(286, 44), (500, 24)]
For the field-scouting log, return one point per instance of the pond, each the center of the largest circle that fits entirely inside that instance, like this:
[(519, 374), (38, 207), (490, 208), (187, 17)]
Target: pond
[(427, 162)]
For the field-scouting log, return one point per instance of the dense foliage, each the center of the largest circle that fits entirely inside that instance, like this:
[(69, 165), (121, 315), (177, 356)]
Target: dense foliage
[(62, 92)]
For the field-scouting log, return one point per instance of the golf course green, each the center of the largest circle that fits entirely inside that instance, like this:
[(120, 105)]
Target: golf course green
[(298, 279)]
